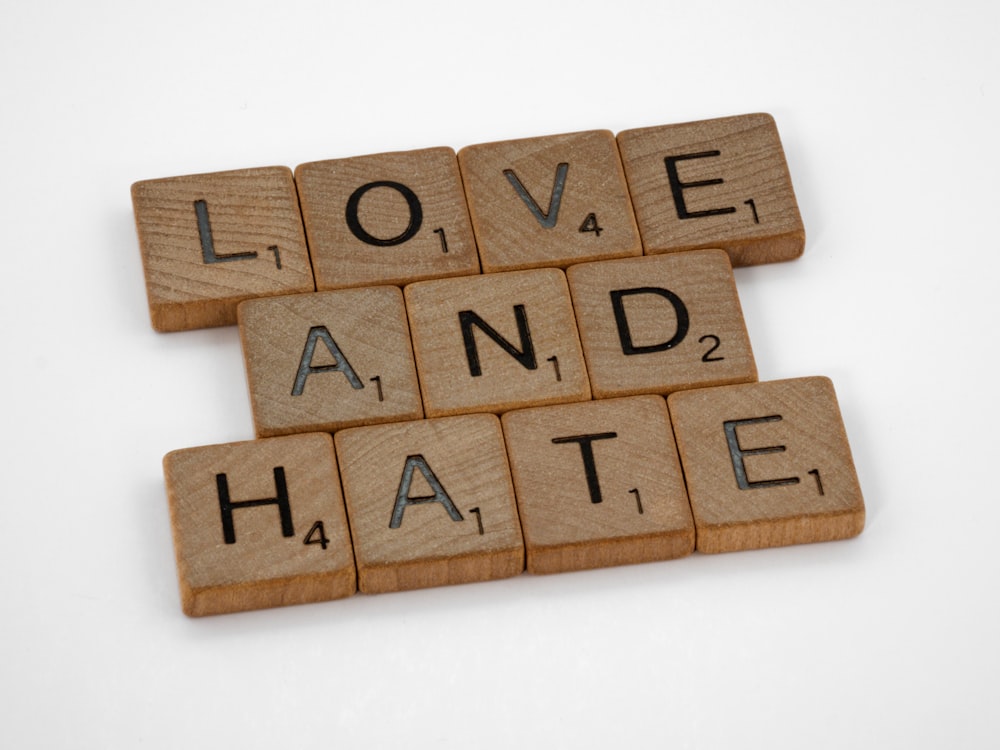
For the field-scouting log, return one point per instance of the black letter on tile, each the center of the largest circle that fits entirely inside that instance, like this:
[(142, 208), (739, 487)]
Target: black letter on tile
[(547, 219), (403, 498), (412, 202), (208, 254), (677, 187), (736, 453), (227, 506), (589, 465), (306, 367), (625, 335), (525, 355)]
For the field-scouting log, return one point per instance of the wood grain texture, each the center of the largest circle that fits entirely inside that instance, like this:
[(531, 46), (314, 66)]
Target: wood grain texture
[(210, 241), (730, 189), (267, 562), (549, 201), (598, 484), (767, 464), (430, 503), (661, 323), (321, 362), (421, 219), (529, 310)]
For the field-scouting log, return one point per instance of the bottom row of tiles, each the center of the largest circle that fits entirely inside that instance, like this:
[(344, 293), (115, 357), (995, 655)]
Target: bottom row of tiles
[(471, 498)]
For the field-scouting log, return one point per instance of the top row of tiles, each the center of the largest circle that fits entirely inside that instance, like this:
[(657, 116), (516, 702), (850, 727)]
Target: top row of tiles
[(210, 241)]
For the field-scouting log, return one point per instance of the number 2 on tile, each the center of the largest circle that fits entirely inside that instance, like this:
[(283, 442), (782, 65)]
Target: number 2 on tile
[(705, 357)]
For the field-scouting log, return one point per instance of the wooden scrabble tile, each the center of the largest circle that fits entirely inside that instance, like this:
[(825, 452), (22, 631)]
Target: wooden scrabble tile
[(716, 183), (497, 342), (549, 201), (386, 218), (259, 524), (320, 362), (209, 241), (430, 503), (598, 483), (659, 324), (767, 464)]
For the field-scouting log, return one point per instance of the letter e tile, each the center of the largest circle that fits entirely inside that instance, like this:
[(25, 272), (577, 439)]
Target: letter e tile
[(767, 464), (430, 503), (716, 183), (598, 484), (259, 524)]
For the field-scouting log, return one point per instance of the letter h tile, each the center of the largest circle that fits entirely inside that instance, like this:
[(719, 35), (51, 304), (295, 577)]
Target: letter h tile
[(259, 524)]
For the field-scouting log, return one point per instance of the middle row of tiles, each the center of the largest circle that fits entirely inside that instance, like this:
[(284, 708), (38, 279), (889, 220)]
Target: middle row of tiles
[(648, 325)]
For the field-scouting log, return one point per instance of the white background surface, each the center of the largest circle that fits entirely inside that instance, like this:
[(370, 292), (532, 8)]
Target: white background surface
[(890, 119)]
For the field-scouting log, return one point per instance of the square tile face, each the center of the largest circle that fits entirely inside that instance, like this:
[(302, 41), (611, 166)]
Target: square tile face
[(661, 323), (767, 464), (598, 484), (386, 218), (259, 524), (210, 241), (320, 362), (430, 503), (716, 183), (494, 343), (549, 201)]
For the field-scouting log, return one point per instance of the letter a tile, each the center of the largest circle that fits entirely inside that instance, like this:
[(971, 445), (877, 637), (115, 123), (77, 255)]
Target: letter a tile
[(661, 323), (386, 218), (259, 524), (210, 241), (496, 342), (598, 483), (716, 183), (320, 362), (430, 503), (549, 201), (767, 464)]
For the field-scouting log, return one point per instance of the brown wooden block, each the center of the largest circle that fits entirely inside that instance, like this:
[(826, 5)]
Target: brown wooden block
[(497, 342), (430, 503), (598, 484), (259, 524), (320, 362), (715, 183), (210, 241), (549, 201), (386, 218), (661, 323), (767, 464)]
